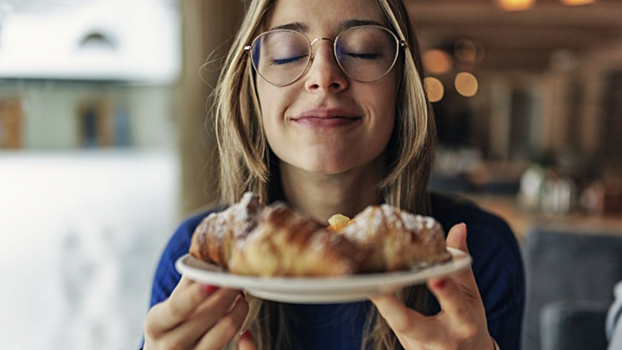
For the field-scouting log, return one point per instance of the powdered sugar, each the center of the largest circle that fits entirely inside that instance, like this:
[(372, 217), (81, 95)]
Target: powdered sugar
[(247, 213), (239, 219), (381, 218)]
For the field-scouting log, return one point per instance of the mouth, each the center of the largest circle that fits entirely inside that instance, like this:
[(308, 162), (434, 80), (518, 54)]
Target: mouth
[(326, 117)]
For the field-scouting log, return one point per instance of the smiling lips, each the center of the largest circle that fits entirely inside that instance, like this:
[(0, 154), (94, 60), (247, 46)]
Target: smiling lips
[(326, 118)]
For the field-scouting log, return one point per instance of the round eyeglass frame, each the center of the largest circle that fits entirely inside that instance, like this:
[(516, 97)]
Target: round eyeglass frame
[(399, 43)]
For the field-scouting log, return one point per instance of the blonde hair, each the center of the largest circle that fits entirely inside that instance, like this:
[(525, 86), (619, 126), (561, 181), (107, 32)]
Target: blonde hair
[(246, 163)]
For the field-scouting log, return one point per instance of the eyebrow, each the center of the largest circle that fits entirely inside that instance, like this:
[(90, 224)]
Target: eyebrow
[(297, 26), (301, 27), (357, 23)]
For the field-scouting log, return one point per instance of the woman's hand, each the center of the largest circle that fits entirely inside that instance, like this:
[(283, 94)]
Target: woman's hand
[(461, 324), (195, 317)]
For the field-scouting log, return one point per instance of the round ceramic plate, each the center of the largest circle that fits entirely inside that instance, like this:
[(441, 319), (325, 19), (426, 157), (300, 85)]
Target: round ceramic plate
[(309, 290)]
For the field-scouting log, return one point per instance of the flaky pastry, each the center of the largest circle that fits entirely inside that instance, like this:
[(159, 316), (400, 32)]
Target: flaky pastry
[(250, 238), (286, 243), (215, 237), (392, 239)]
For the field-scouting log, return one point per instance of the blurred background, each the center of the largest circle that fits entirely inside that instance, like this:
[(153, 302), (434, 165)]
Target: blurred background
[(104, 148)]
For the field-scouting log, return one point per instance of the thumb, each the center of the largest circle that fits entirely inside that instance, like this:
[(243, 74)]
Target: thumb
[(246, 341), (457, 237)]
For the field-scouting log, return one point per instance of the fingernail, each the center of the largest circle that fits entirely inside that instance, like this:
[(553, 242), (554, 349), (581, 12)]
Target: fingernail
[(246, 335), (209, 289), (440, 284), (237, 298)]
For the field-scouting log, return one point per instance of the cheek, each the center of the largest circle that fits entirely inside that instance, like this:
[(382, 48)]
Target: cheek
[(273, 104)]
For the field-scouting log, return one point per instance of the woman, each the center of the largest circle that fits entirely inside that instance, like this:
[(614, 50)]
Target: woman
[(321, 105)]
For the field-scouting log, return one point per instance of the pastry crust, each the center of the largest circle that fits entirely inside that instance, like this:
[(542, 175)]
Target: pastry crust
[(214, 238), (250, 238), (286, 243), (392, 239)]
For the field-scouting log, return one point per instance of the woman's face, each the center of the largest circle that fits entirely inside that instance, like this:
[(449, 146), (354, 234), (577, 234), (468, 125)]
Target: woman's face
[(326, 122)]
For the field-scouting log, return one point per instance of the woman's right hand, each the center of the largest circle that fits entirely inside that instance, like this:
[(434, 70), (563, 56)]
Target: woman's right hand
[(195, 316)]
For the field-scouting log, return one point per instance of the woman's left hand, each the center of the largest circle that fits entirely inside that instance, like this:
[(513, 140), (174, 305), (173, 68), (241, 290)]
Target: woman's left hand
[(461, 324)]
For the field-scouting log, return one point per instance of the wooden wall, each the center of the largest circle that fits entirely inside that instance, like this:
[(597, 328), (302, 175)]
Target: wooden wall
[(208, 29)]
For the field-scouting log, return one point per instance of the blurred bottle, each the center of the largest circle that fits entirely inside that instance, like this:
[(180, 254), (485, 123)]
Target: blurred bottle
[(544, 190), (530, 192), (557, 195)]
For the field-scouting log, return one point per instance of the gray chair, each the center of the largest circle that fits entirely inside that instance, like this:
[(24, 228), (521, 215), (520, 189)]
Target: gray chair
[(570, 279), (573, 325)]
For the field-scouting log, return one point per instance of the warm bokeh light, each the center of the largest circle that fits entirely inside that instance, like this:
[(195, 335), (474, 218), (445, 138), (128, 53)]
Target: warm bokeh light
[(516, 5), (434, 89), (437, 61), (466, 84), (577, 2)]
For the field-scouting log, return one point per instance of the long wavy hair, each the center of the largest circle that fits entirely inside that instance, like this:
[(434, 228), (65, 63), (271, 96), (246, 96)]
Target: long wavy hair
[(247, 164)]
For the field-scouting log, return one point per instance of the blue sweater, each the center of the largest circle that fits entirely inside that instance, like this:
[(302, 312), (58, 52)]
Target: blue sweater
[(497, 265)]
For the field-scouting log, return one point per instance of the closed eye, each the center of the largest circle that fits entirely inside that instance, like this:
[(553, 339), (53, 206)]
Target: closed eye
[(283, 61), (365, 56)]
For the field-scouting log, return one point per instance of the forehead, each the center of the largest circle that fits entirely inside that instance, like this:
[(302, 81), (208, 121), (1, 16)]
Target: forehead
[(323, 15)]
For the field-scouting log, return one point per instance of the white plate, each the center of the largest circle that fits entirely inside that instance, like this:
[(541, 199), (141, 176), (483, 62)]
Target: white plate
[(309, 290)]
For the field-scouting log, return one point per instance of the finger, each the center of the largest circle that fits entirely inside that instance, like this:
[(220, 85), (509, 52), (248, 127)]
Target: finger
[(246, 341), (182, 302), (200, 322), (405, 321), (465, 279), (219, 303), (454, 298), (457, 238), (462, 309), (226, 328)]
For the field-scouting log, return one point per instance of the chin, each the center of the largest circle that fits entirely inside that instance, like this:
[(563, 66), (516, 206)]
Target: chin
[(326, 166)]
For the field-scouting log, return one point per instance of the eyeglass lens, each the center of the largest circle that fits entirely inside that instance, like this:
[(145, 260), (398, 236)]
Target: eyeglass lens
[(364, 53)]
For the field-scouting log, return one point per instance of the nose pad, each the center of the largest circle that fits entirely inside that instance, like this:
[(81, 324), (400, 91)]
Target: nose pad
[(330, 48), (324, 71)]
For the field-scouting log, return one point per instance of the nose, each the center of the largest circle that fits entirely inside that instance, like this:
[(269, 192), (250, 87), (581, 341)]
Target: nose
[(325, 74)]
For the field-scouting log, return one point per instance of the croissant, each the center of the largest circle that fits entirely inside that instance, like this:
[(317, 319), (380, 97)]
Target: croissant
[(392, 239), (285, 243), (250, 238), (214, 238)]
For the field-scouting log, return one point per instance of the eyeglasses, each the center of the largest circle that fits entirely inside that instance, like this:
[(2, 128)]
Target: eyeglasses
[(364, 53)]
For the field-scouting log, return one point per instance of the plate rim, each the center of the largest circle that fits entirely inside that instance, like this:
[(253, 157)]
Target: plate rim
[(314, 285)]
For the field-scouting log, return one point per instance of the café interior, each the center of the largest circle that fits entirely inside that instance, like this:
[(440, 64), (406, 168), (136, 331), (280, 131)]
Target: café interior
[(103, 150)]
